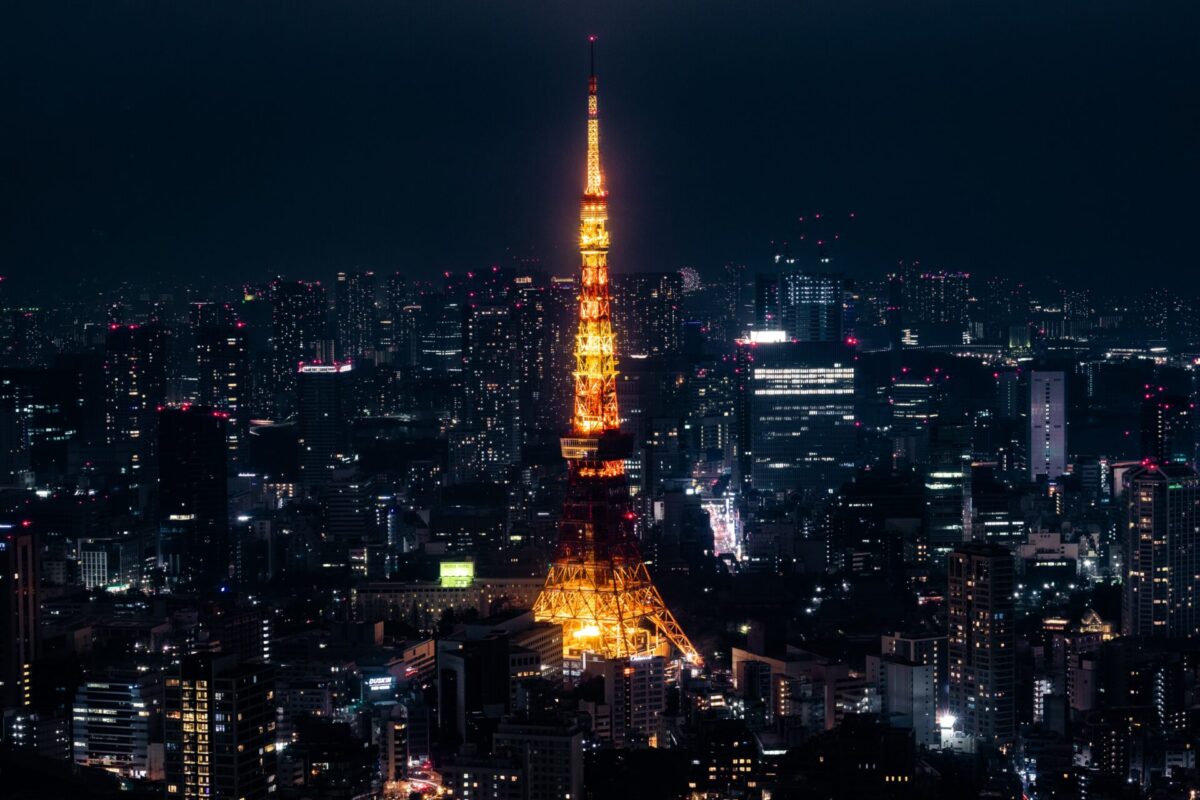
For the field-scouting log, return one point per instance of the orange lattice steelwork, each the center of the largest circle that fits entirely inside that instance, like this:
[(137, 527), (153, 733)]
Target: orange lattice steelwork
[(598, 588)]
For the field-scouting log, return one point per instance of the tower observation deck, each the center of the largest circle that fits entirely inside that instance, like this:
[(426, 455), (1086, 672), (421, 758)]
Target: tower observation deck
[(598, 588)]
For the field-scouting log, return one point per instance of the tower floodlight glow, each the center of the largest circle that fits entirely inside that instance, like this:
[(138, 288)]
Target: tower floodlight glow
[(598, 588)]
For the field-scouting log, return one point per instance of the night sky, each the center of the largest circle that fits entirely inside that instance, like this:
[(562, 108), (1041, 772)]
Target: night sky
[(238, 139)]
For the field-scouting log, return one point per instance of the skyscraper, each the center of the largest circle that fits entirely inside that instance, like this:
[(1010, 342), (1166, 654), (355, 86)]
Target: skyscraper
[(223, 369), (1168, 427), (1047, 425), (795, 414), (1161, 552), (220, 729), (598, 588), (326, 403), (135, 374), (298, 332), (948, 509), (811, 306), (980, 647), (490, 391), (354, 298), (934, 297), (20, 615), (193, 498), (645, 308)]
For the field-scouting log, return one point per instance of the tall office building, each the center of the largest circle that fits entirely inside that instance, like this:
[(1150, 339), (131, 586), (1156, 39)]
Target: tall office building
[(1047, 425), (646, 309), (403, 309), (440, 335), (1168, 427), (20, 615), (135, 374), (980, 644), (298, 332), (354, 300), (193, 499), (219, 729), (948, 507), (223, 370), (1161, 552), (326, 409), (111, 722), (490, 393), (811, 307), (795, 414), (934, 297)]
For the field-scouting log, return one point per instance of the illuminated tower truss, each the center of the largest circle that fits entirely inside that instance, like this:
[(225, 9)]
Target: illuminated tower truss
[(598, 588)]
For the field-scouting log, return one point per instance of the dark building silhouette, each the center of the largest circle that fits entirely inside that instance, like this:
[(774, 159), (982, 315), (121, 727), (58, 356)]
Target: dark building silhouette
[(326, 403), (193, 498), (20, 615), (1168, 428)]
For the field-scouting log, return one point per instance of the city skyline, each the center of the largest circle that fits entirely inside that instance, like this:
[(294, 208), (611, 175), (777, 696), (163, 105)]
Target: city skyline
[(775, 528)]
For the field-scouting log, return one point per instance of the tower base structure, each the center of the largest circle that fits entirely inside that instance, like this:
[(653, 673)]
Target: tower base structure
[(598, 588)]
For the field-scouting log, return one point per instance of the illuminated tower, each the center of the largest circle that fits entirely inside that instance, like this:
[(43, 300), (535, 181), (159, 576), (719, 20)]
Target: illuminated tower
[(598, 588)]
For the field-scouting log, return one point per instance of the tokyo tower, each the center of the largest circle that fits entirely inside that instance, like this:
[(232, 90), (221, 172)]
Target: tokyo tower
[(598, 588)]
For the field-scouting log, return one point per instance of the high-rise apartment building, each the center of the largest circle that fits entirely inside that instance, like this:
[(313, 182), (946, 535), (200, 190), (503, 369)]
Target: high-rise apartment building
[(354, 300), (981, 643), (20, 615), (646, 309), (1047, 425), (135, 374), (1161, 552), (298, 333), (490, 392), (934, 297), (223, 369), (219, 729)]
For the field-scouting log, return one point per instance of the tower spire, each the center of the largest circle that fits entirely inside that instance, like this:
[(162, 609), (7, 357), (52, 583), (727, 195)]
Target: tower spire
[(595, 176)]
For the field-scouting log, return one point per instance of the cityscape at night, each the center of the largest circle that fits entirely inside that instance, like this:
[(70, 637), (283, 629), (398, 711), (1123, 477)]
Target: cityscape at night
[(667, 401)]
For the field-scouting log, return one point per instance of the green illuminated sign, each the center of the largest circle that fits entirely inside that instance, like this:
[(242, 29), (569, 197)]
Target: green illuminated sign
[(456, 574)]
